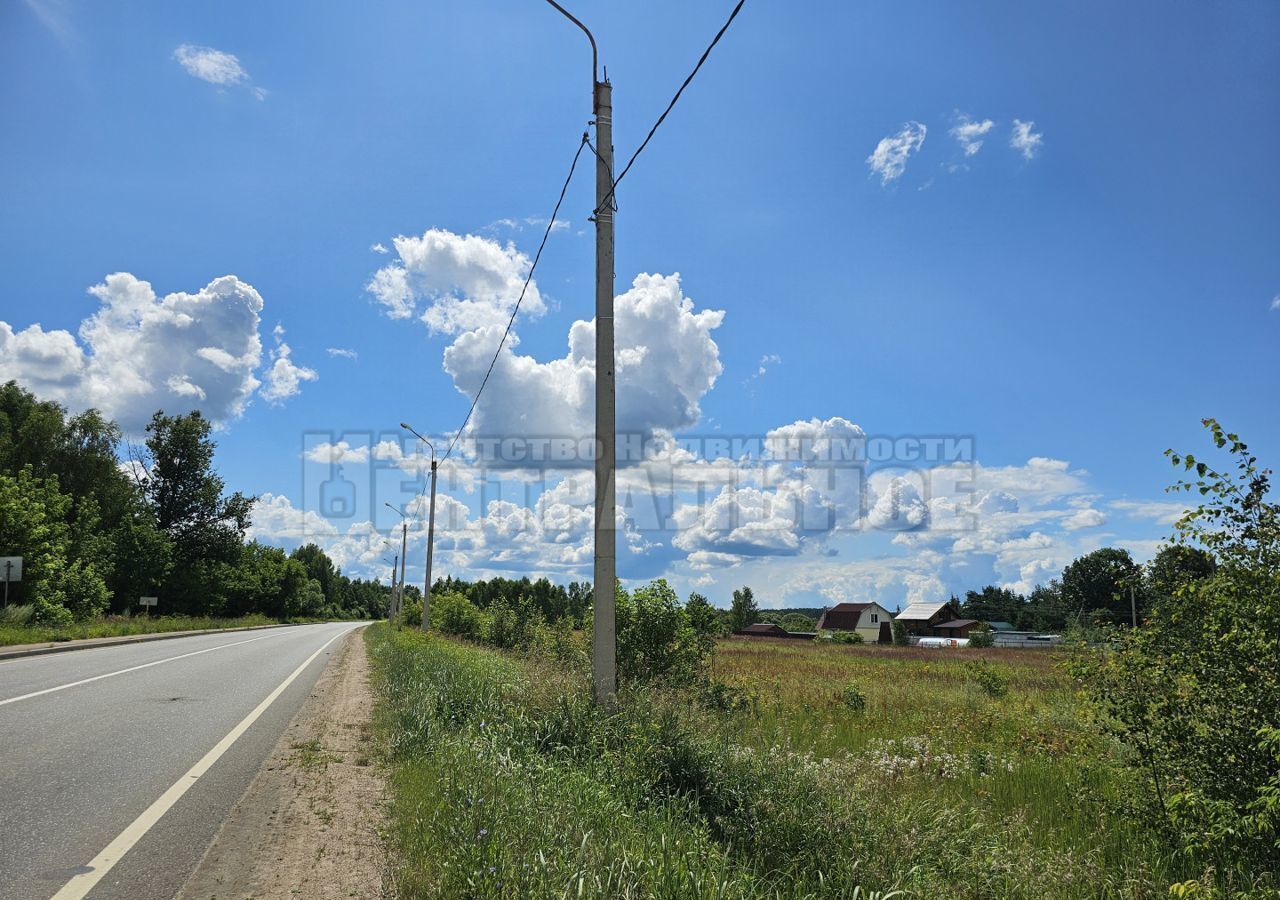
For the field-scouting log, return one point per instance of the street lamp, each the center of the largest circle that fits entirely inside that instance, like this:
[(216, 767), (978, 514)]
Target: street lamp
[(431, 528), (404, 539)]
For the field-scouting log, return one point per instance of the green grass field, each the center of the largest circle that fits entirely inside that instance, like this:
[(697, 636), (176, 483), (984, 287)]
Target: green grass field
[(508, 782)]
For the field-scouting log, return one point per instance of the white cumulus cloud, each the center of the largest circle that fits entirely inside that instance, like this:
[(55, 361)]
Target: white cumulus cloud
[(139, 352), (337, 453), (216, 67), (466, 281), (889, 159), (969, 133), (1024, 139), (665, 357), (283, 377)]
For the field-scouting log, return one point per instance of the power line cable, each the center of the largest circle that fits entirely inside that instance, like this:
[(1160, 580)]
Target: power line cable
[(537, 256), (705, 53)]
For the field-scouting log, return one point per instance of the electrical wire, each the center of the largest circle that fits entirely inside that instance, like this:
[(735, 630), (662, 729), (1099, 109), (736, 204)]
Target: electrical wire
[(528, 278), (705, 53)]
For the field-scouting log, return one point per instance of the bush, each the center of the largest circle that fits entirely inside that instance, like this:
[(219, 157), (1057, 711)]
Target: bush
[(853, 697), (848, 637), (453, 613), (655, 639), (411, 612), (985, 675), (18, 614), (1196, 693), (900, 636), (982, 638)]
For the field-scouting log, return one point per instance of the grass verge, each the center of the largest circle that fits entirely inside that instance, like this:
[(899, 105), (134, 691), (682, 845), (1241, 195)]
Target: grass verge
[(111, 626), (508, 782)]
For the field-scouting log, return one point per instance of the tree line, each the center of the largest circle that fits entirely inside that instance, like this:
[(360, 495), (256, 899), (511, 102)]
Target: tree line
[(97, 534)]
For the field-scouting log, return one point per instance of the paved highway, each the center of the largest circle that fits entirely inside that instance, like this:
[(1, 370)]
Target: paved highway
[(118, 765)]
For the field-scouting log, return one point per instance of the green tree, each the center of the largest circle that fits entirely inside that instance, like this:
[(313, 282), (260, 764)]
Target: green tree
[(655, 638), (33, 525), (1196, 693), (1177, 565), (1097, 586), (993, 604), (186, 497), (743, 611), (320, 568)]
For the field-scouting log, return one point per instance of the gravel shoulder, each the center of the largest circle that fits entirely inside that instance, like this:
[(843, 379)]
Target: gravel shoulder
[(311, 823)]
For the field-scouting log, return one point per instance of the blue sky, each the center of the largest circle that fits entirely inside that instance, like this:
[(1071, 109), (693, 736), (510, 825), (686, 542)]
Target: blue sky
[(1080, 301)]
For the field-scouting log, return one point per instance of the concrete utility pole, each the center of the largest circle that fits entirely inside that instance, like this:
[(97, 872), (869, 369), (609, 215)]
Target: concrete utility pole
[(431, 530), (604, 649), (391, 604), (404, 540)]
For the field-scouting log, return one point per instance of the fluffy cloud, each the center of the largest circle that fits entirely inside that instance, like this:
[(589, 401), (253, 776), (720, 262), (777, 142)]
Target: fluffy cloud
[(889, 159), (666, 360), (898, 507), (343, 353), (216, 67), (208, 64), (276, 519), (1084, 518), (140, 352), (339, 453), (968, 134), (283, 378), (1024, 139), (467, 282)]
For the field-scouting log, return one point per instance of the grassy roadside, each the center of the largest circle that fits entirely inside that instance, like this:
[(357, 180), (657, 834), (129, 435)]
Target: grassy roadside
[(508, 782), (11, 634)]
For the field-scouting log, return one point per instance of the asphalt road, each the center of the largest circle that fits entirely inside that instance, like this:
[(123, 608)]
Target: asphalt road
[(87, 762)]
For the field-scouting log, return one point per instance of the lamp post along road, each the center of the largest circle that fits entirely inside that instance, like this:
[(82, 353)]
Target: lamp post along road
[(604, 647), (431, 529)]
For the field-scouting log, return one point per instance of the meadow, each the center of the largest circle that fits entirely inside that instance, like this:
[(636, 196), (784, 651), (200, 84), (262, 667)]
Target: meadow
[(797, 770)]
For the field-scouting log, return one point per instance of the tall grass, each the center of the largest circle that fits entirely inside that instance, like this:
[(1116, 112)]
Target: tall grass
[(15, 628), (509, 782)]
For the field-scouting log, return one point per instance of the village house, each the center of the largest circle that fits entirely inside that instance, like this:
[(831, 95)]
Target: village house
[(871, 620), (928, 619)]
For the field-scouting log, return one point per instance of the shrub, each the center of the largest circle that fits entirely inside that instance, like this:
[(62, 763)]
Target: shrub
[(853, 697), (411, 612), (900, 636), (18, 614), (847, 637), (985, 675), (1196, 693), (655, 639), (982, 638), (453, 613)]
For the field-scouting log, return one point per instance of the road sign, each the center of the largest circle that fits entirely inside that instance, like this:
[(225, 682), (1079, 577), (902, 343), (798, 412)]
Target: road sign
[(148, 601), (11, 569)]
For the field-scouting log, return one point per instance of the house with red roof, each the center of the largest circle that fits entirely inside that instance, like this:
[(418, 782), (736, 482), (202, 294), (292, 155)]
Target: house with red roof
[(871, 620)]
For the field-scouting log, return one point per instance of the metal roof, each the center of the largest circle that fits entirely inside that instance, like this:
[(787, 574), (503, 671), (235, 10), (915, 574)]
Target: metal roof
[(922, 610), (957, 623)]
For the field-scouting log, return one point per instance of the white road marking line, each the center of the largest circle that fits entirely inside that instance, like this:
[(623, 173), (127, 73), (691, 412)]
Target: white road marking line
[(100, 865), (63, 687)]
